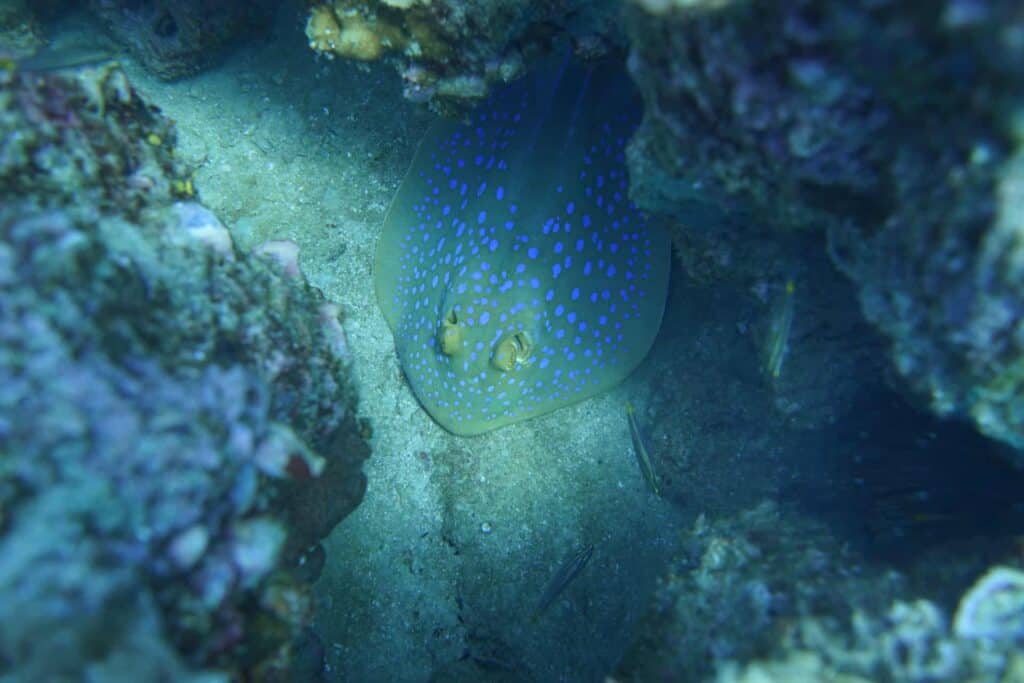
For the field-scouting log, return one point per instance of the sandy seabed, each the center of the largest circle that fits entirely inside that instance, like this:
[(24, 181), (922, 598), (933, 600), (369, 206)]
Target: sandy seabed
[(443, 562)]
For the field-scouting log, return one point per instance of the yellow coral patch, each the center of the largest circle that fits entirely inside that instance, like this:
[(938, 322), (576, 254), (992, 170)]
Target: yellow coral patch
[(359, 39), (347, 33), (322, 29)]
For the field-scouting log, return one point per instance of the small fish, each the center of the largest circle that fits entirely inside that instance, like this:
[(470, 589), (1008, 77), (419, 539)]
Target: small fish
[(640, 451), (779, 328), (569, 570)]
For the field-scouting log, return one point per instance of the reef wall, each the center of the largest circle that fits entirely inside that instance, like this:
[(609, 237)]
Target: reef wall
[(172, 39), (179, 422), (176, 38), (890, 129)]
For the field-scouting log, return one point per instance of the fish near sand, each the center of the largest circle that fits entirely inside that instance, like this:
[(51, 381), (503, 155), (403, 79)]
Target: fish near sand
[(568, 571), (513, 270), (643, 458), (780, 326)]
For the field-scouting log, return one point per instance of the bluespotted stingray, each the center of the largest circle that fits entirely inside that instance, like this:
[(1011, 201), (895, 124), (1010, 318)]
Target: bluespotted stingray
[(513, 270)]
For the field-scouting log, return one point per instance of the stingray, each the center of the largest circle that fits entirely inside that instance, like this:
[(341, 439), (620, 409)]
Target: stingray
[(516, 275)]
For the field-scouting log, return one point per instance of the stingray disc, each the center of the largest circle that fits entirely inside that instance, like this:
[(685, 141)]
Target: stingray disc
[(516, 275)]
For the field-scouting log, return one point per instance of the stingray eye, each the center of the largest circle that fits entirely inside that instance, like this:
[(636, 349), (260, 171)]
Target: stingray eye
[(450, 334), (512, 350)]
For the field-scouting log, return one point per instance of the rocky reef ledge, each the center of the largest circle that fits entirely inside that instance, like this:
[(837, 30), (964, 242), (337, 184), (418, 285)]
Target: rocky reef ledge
[(179, 425)]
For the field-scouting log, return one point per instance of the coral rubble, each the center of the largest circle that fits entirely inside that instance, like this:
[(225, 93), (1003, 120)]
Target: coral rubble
[(179, 424)]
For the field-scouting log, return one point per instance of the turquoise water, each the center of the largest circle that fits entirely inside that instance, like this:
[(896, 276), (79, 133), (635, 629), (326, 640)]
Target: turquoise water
[(809, 490)]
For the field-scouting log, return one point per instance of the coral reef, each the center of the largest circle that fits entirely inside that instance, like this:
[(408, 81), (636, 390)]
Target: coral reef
[(745, 119), (176, 38), (911, 642), (890, 128), (449, 51), (179, 425), (736, 581), (769, 596), (941, 279)]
